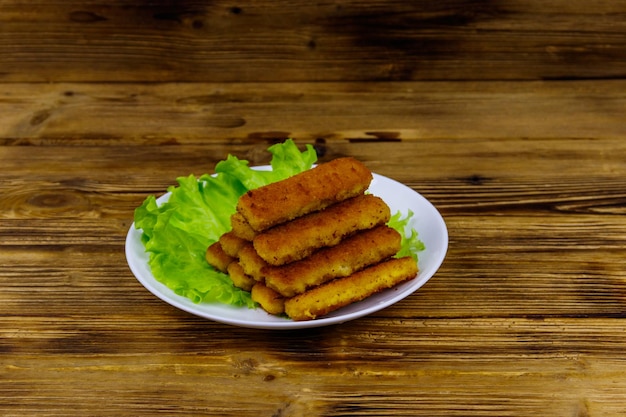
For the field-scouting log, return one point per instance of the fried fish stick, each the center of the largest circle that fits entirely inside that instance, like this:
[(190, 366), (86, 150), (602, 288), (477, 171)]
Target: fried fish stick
[(241, 228), (270, 300), (217, 258), (343, 291), (304, 193), (231, 244), (252, 264), (300, 237), (352, 254), (239, 277)]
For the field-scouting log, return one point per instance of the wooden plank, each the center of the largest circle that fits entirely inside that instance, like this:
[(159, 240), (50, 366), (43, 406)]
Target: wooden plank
[(527, 368), (353, 40), (525, 317), (194, 113), (554, 209)]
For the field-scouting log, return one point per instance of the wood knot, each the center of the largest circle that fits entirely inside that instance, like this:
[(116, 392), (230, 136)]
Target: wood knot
[(378, 137), (270, 137), (476, 179), (83, 16), (56, 200), (39, 117), (320, 147)]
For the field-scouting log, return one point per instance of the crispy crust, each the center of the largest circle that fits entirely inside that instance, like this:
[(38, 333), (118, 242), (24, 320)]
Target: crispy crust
[(217, 258), (241, 228), (299, 238), (304, 193), (353, 253), (356, 287), (251, 262), (231, 244), (239, 277), (270, 300)]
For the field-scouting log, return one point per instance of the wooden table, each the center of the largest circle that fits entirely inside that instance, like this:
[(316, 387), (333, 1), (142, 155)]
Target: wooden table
[(509, 118)]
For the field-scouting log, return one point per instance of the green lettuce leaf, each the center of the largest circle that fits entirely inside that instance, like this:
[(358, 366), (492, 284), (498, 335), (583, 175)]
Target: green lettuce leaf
[(411, 245), (287, 160)]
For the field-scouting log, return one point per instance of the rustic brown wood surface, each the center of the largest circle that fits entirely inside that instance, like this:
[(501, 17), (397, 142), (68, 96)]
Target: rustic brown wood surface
[(508, 116), (345, 40)]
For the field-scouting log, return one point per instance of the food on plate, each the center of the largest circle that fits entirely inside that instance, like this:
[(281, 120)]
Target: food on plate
[(341, 292), (231, 243), (350, 255), (216, 257), (268, 299), (317, 251), (241, 228), (297, 239), (239, 277), (201, 247), (304, 193), (251, 262)]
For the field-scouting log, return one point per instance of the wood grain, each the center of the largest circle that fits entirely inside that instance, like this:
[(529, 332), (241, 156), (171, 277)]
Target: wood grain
[(526, 315), (87, 41), (507, 116), (179, 114)]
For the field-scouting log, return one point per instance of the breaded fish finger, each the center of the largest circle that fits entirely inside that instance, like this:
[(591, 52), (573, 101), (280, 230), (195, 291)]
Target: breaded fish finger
[(239, 277), (300, 237), (231, 244), (217, 258), (353, 253), (251, 262), (241, 228), (343, 291), (270, 300), (303, 193)]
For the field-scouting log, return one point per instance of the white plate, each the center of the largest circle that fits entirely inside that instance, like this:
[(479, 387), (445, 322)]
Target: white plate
[(426, 220)]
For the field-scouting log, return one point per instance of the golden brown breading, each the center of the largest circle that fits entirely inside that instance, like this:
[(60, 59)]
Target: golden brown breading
[(231, 244), (356, 287), (353, 253), (239, 277), (241, 228), (217, 258), (304, 193), (270, 300), (251, 262), (300, 237)]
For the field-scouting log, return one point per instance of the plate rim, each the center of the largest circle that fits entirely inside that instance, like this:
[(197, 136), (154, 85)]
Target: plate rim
[(168, 296)]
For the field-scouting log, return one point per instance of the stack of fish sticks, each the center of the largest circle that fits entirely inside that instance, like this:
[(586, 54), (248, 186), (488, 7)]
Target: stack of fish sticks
[(312, 243)]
